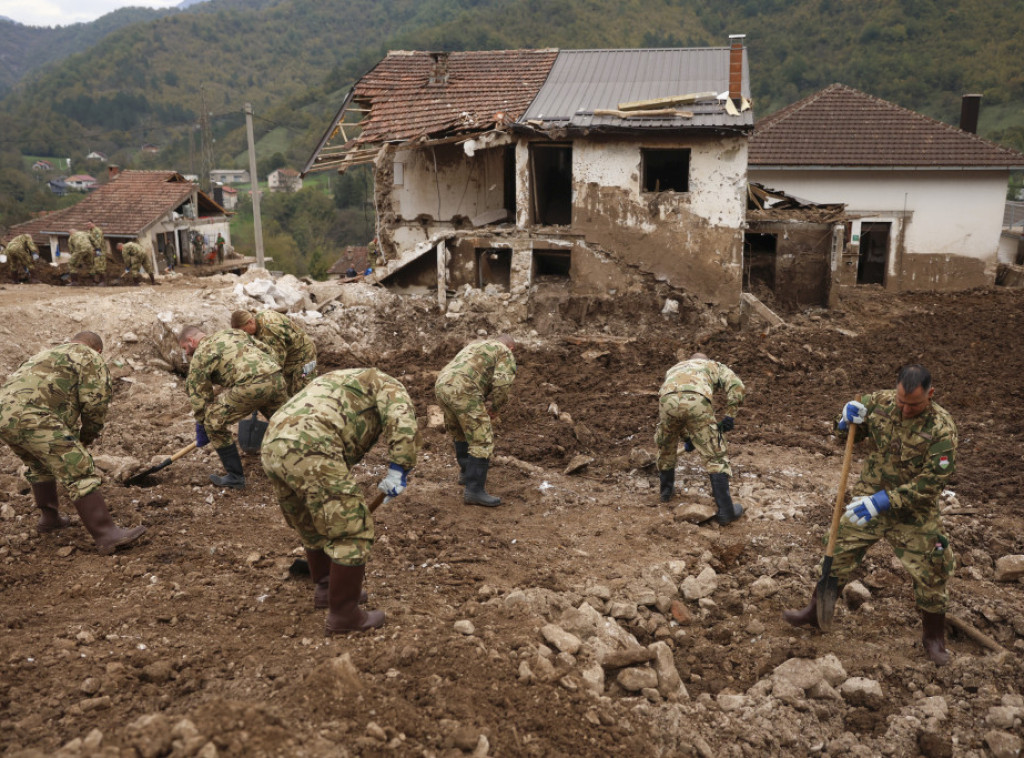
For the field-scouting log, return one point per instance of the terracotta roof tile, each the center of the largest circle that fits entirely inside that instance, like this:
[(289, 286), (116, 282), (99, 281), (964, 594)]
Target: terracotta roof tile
[(841, 126)]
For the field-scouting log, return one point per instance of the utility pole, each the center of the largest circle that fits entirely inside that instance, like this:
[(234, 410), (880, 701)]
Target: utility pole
[(257, 226), (206, 164)]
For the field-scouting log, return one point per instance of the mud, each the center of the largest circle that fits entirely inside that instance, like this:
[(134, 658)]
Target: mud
[(201, 641)]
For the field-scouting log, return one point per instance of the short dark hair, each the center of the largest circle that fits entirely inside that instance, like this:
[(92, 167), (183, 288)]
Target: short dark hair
[(914, 375), (89, 339)]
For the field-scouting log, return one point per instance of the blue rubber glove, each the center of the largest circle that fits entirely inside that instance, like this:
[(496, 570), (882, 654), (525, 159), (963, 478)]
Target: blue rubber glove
[(853, 413), (394, 483), (201, 438), (861, 510), (727, 424), (687, 445)]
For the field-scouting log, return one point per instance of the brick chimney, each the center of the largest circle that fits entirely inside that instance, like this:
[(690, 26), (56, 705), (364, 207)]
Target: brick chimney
[(736, 67), (439, 68), (113, 171), (970, 105)]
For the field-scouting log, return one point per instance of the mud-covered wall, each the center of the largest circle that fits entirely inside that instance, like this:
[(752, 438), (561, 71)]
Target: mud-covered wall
[(694, 239), (803, 254), (945, 224)]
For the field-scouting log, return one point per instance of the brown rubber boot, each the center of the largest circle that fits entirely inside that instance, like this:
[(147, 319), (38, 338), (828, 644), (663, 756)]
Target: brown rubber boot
[(107, 535), (934, 637), (320, 572), (152, 280), (344, 614), (807, 616), (47, 501)]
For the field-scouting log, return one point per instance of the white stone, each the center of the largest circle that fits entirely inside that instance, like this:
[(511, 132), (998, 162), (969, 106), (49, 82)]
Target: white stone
[(1001, 717), (859, 690), (824, 691), (7, 512), (465, 626), (800, 672), (730, 703), (669, 682), (561, 639), (622, 610), (636, 679), (593, 678), (599, 591), (856, 594), (764, 586), (702, 585), (832, 669), (694, 512), (671, 307), (1003, 744), (1009, 568)]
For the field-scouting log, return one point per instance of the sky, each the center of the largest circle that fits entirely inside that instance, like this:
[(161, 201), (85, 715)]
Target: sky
[(63, 12)]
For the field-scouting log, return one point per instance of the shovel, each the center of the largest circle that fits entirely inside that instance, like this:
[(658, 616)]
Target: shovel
[(300, 566), (828, 586), (250, 433), (138, 478)]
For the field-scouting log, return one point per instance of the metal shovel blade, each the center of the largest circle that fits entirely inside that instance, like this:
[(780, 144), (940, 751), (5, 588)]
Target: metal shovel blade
[(826, 592), (250, 433), (142, 479)]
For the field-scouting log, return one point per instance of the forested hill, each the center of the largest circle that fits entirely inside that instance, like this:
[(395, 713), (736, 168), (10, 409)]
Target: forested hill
[(293, 59)]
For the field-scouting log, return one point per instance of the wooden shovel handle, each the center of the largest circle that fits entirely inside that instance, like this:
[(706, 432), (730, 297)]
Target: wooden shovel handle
[(851, 434), (184, 451), (376, 502)]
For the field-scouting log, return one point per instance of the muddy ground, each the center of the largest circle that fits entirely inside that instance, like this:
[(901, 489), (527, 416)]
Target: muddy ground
[(200, 641)]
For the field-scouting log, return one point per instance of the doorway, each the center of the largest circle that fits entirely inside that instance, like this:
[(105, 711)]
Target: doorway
[(759, 262), (874, 252), (551, 167), (494, 266)]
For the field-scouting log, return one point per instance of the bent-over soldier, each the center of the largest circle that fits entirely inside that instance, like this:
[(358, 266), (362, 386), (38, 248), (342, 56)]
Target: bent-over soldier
[(686, 411), (289, 344), (51, 410), (85, 259), (896, 497), (481, 371), (136, 260), (251, 379), (308, 452), (21, 252)]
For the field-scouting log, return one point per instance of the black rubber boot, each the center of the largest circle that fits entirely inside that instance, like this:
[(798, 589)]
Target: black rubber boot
[(806, 616), (152, 280), (668, 484), (107, 535), (344, 613), (934, 637), (461, 455), (233, 465), (728, 511), (476, 480), (47, 501), (99, 280)]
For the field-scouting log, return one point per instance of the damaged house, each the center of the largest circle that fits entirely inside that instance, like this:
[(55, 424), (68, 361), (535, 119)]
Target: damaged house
[(592, 169)]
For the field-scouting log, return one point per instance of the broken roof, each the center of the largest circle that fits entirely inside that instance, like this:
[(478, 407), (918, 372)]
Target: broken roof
[(841, 126), (123, 207)]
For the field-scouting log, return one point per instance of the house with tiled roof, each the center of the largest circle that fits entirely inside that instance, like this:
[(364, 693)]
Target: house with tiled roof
[(284, 180), (158, 208), (924, 199), (588, 169)]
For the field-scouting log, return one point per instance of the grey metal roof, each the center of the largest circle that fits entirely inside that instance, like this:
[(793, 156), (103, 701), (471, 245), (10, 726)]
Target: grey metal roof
[(582, 81)]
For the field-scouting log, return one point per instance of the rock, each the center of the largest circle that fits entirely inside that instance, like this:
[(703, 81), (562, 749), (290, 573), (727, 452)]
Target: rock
[(1001, 717), (561, 639), (65, 551), (90, 686), (860, 691), (544, 669), (935, 744), (764, 586), (636, 679), (855, 594), (578, 463), (158, 672), (640, 458), (376, 732), (670, 308), (1003, 744), (800, 672), (787, 692), (695, 512), (824, 691), (702, 585), (593, 678), (599, 591), (209, 750), (754, 627), (832, 669), (582, 621), (344, 673), (670, 685), (622, 610), (150, 735), (7, 512), (729, 703), (129, 338), (93, 740), (617, 659), (435, 417), (680, 613), (646, 598), (465, 626), (1009, 568)]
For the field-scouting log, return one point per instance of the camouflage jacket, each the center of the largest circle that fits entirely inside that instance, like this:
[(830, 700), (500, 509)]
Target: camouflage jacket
[(913, 458), (228, 358), (287, 341), (704, 377), (22, 243), (352, 408), (79, 242), (487, 367), (71, 380), (96, 238)]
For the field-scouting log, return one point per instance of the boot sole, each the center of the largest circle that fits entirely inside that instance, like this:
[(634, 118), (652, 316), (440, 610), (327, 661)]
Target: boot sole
[(482, 505)]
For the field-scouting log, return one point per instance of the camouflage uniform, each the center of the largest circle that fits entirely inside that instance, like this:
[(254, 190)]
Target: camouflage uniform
[(290, 346), (20, 252), (912, 461), (685, 409), (251, 378), (51, 408), (317, 437), (100, 250), (136, 259), (480, 370), (84, 256)]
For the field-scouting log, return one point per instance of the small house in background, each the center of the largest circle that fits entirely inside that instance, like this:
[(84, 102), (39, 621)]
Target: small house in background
[(81, 183), (284, 180), (58, 186), (150, 148), (230, 198), (42, 165), (229, 176), (354, 258), (97, 156)]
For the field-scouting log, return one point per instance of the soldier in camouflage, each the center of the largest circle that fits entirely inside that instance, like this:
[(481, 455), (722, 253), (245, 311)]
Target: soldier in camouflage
[(136, 260), (289, 344), (84, 258), (251, 379), (21, 252), (51, 409), (100, 251), (896, 497), (481, 370), (308, 452), (686, 410)]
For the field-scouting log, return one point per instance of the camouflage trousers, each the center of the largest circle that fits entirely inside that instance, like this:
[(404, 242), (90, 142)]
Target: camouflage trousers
[(19, 261), (88, 260), (237, 402), (466, 419), (318, 498), (920, 542), (300, 371), (136, 264), (49, 449), (687, 414)]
